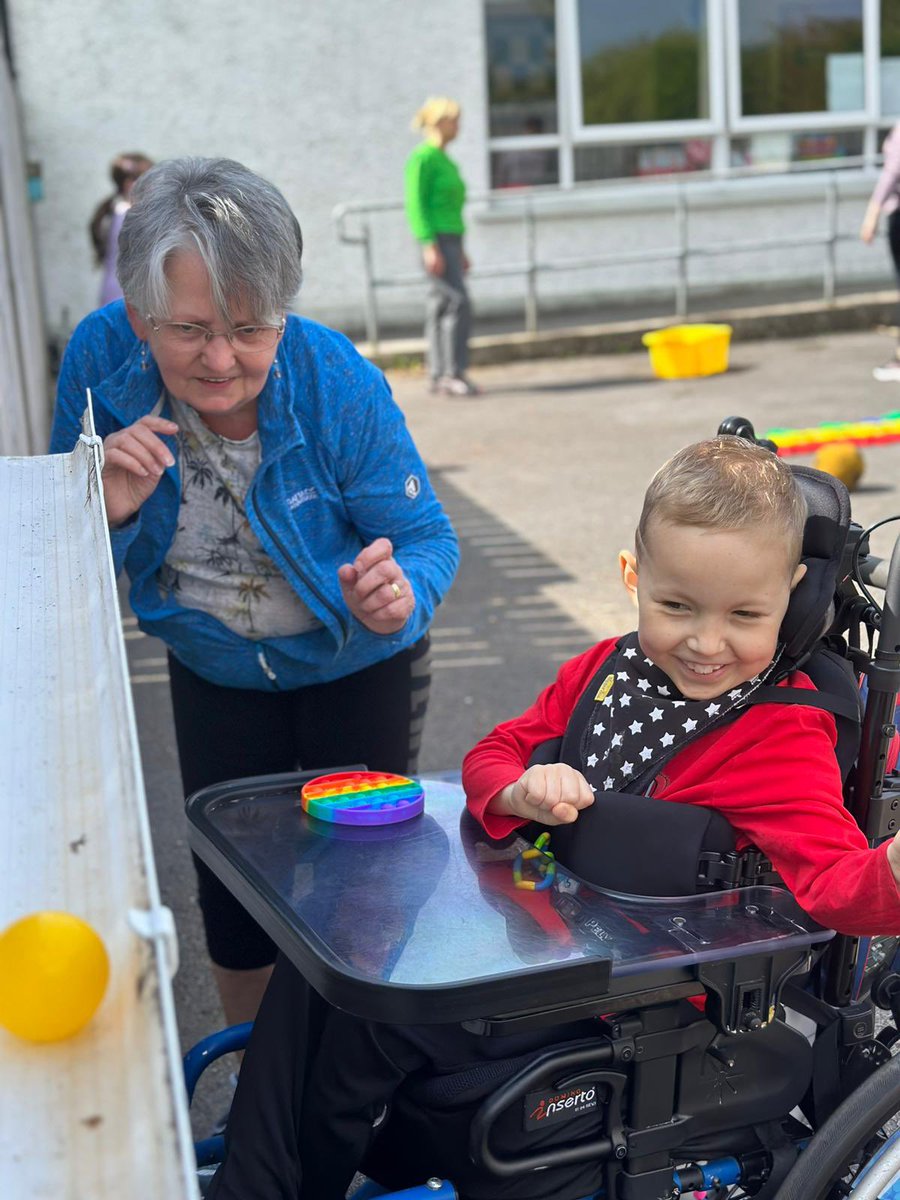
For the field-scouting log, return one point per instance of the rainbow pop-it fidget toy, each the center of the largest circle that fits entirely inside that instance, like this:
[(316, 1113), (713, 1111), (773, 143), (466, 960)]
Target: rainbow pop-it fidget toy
[(362, 798)]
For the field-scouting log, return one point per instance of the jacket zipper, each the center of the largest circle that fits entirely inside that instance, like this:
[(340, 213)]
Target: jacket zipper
[(323, 600), (264, 663)]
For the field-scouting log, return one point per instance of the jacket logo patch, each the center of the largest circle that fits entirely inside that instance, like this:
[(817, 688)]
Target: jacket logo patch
[(412, 486), (302, 497)]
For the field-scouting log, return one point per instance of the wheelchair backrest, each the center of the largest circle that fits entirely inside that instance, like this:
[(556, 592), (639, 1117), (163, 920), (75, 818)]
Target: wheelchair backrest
[(812, 605)]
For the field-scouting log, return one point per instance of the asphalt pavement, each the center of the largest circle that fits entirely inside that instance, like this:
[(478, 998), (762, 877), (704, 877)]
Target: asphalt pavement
[(543, 476)]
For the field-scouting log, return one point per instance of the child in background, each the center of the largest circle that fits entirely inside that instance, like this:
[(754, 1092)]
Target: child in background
[(108, 217)]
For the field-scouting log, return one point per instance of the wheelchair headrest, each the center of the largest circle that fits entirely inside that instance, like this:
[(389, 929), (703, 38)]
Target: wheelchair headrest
[(824, 538)]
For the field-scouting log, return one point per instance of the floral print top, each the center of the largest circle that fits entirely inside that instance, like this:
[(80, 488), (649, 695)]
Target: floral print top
[(215, 562)]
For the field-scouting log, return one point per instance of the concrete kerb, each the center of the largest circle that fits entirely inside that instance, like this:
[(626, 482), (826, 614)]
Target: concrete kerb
[(855, 312)]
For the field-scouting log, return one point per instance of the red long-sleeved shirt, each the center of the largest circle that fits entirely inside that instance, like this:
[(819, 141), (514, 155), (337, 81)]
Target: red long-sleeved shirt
[(772, 773)]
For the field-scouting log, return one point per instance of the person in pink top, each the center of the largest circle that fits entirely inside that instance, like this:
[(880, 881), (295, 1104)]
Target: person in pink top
[(886, 199)]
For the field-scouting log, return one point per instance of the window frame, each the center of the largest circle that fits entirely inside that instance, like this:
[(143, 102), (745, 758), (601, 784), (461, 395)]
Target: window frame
[(646, 131), (739, 124)]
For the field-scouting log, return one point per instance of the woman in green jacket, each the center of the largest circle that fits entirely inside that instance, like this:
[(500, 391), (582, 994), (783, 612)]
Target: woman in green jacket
[(435, 194)]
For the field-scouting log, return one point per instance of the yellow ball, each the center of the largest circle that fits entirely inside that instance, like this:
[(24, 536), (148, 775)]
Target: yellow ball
[(843, 460), (53, 973)]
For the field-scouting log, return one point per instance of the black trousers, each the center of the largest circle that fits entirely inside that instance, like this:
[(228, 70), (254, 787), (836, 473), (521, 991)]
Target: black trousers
[(893, 236), (314, 1081), (374, 716)]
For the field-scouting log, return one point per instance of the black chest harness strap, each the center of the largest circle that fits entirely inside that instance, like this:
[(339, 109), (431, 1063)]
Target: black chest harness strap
[(639, 858)]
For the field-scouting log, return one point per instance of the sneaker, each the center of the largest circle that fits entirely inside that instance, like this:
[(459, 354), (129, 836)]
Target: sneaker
[(458, 385), (889, 372)]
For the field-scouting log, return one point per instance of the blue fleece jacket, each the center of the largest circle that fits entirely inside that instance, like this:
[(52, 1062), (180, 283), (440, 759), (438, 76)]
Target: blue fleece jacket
[(338, 470)]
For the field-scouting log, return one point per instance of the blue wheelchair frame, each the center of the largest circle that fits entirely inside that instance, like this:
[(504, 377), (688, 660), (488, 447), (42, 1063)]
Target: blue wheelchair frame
[(211, 1150)]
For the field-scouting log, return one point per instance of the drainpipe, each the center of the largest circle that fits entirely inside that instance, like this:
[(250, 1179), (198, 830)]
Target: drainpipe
[(7, 37)]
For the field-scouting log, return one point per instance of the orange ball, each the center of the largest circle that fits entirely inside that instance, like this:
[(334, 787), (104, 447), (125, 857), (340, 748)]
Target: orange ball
[(842, 460)]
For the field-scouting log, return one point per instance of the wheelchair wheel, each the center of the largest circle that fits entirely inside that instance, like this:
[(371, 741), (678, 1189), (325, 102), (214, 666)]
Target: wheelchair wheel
[(837, 1161)]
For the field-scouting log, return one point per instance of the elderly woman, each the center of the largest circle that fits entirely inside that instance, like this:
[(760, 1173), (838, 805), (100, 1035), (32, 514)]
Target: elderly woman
[(267, 502)]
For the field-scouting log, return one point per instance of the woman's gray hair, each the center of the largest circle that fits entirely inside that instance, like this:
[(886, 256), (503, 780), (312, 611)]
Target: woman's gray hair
[(240, 225)]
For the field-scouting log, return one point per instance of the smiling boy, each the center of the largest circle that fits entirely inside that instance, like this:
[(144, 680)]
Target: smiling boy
[(717, 555)]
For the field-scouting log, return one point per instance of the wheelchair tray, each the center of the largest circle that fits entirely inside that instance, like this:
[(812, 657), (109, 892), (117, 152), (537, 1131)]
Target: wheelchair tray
[(423, 921)]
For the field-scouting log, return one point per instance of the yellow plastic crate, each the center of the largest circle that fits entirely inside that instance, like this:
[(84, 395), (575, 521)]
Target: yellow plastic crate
[(685, 351)]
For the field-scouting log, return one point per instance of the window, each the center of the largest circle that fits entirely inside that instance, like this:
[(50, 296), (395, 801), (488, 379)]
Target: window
[(801, 56), (528, 167), (777, 149), (521, 48), (642, 61), (890, 58), (584, 90), (628, 160)]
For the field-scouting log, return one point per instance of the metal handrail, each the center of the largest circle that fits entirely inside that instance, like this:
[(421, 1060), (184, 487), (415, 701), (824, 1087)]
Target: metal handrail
[(532, 205)]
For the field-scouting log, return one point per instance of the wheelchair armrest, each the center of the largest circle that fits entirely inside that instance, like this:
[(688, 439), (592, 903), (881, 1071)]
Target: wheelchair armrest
[(576, 1063)]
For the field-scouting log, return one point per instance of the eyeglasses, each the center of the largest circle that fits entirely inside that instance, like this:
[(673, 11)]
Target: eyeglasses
[(247, 339)]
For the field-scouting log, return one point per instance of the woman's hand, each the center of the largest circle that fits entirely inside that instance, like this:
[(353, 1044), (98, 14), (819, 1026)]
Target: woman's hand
[(869, 227), (433, 259), (375, 589), (553, 794), (134, 459)]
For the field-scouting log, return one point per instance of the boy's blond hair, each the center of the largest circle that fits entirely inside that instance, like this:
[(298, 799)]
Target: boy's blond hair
[(730, 484)]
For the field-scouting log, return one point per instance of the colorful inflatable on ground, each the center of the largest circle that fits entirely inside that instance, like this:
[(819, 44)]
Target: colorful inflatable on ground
[(871, 431), (362, 798)]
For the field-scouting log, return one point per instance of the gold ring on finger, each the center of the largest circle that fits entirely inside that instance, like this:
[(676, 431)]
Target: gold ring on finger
[(397, 590)]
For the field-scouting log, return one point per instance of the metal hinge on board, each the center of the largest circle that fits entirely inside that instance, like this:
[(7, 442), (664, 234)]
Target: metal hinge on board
[(157, 925)]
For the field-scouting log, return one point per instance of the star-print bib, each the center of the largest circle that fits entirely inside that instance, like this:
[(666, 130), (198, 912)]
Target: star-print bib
[(640, 719)]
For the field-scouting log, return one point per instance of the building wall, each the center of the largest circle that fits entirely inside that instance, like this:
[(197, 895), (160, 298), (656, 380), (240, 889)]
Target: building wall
[(318, 97), (315, 96)]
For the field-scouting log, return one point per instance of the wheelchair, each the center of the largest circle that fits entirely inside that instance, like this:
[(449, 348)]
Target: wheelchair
[(707, 1073)]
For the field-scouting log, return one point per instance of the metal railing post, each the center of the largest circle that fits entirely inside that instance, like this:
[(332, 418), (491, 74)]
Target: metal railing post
[(531, 303), (831, 237), (678, 250), (681, 236), (371, 298)]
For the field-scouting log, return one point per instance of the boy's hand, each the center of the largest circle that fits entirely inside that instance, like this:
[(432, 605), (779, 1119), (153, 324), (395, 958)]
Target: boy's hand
[(553, 794)]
